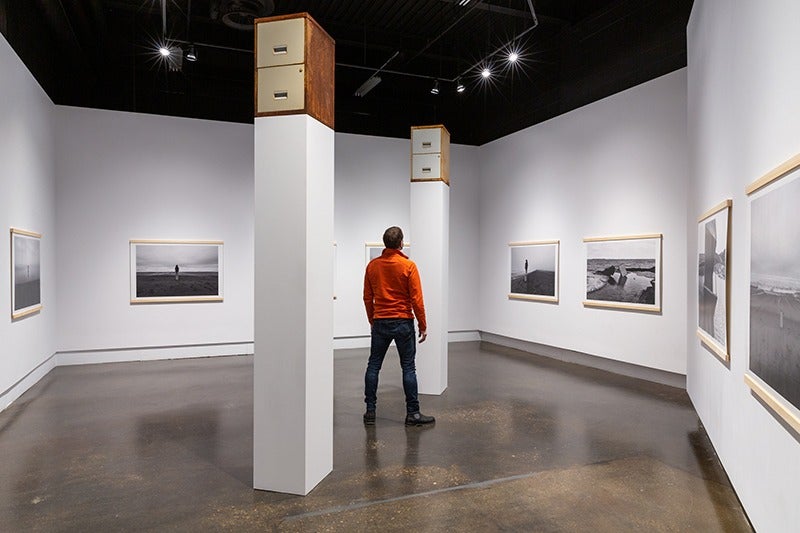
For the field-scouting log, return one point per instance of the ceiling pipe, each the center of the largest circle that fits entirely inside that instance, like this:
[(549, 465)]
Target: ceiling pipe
[(442, 34), (164, 19), (533, 13)]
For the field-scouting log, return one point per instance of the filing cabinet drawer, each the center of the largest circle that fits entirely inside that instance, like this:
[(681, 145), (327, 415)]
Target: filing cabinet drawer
[(280, 42), (426, 166), (426, 140), (281, 88)]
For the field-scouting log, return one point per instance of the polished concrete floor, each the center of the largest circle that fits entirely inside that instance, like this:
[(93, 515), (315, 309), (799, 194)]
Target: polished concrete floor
[(520, 444)]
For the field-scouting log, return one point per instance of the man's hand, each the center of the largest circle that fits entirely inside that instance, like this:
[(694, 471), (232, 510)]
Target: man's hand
[(422, 336)]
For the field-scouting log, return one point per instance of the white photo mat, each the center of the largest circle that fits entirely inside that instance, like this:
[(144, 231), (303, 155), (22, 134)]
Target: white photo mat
[(713, 279), (624, 272), (175, 271), (26, 279), (375, 249), (534, 270)]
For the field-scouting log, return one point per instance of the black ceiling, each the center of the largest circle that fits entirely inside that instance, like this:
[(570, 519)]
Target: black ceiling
[(100, 53)]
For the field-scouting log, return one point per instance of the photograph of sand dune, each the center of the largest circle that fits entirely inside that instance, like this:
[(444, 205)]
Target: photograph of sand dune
[(624, 272), (176, 271), (712, 278), (26, 285), (534, 270), (775, 286)]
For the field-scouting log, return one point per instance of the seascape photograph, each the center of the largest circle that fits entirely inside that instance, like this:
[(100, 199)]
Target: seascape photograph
[(26, 282), (775, 289), (624, 271), (177, 271), (712, 241), (534, 271)]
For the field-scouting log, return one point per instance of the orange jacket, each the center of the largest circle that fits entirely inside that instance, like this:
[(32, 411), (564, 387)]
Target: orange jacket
[(392, 288)]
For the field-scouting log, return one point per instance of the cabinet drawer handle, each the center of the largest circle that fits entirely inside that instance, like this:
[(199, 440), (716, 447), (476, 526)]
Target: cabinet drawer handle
[(280, 49), (281, 95)]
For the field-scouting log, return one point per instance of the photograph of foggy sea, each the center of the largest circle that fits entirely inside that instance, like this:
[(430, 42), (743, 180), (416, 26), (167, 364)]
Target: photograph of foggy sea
[(775, 290), (27, 275)]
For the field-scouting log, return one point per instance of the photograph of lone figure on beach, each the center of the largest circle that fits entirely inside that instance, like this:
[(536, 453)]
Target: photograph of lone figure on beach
[(624, 272), (534, 270), (712, 279), (775, 288), (176, 271), (26, 285)]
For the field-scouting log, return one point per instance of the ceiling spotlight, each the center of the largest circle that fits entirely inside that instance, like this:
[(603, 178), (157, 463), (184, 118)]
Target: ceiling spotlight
[(486, 72), (164, 51), (459, 86), (512, 57), (435, 88), (191, 53)]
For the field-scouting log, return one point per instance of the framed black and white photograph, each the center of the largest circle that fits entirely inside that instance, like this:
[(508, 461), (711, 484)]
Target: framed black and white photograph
[(26, 275), (624, 272), (375, 249), (774, 367), (713, 231), (534, 270), (165, 271)]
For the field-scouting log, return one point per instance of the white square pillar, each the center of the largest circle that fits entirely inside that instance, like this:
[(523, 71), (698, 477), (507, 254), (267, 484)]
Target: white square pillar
[(430, 243), (293, 364)]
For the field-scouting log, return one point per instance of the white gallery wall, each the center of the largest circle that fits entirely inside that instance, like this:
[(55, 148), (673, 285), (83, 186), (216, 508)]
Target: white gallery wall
[(743, 104), (123, 176), (372, 193), (27, 201), (614, 167)]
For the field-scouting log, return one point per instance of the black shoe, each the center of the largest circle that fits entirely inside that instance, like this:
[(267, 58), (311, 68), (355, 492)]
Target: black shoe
[(369, 418), (418, 419)]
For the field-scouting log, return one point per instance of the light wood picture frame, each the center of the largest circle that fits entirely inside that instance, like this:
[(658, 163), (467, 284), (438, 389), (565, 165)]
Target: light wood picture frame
[(335, 261), (774, 350), (26, 274), (624, 272), (713, 279), (534, 270), (176, 271)]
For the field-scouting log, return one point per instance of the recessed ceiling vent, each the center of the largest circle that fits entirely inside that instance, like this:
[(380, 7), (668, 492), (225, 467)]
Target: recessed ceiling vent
[(239, 14)]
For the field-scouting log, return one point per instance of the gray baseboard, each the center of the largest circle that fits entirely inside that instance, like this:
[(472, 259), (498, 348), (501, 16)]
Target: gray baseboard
[(518, 347)]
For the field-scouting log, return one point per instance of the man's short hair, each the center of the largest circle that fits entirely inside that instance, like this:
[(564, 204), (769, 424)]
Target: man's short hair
[(393, 238)]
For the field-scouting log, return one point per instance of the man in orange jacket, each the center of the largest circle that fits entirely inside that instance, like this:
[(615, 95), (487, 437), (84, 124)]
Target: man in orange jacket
[(392, 290)]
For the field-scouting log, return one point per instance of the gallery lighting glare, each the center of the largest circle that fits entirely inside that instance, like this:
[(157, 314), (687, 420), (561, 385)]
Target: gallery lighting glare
[(435, 88), (512, 57), (486, 73), (463, 2), (164, 51), (459, 86)]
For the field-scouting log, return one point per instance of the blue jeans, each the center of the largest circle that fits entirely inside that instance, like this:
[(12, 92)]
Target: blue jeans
[(384, 331)]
